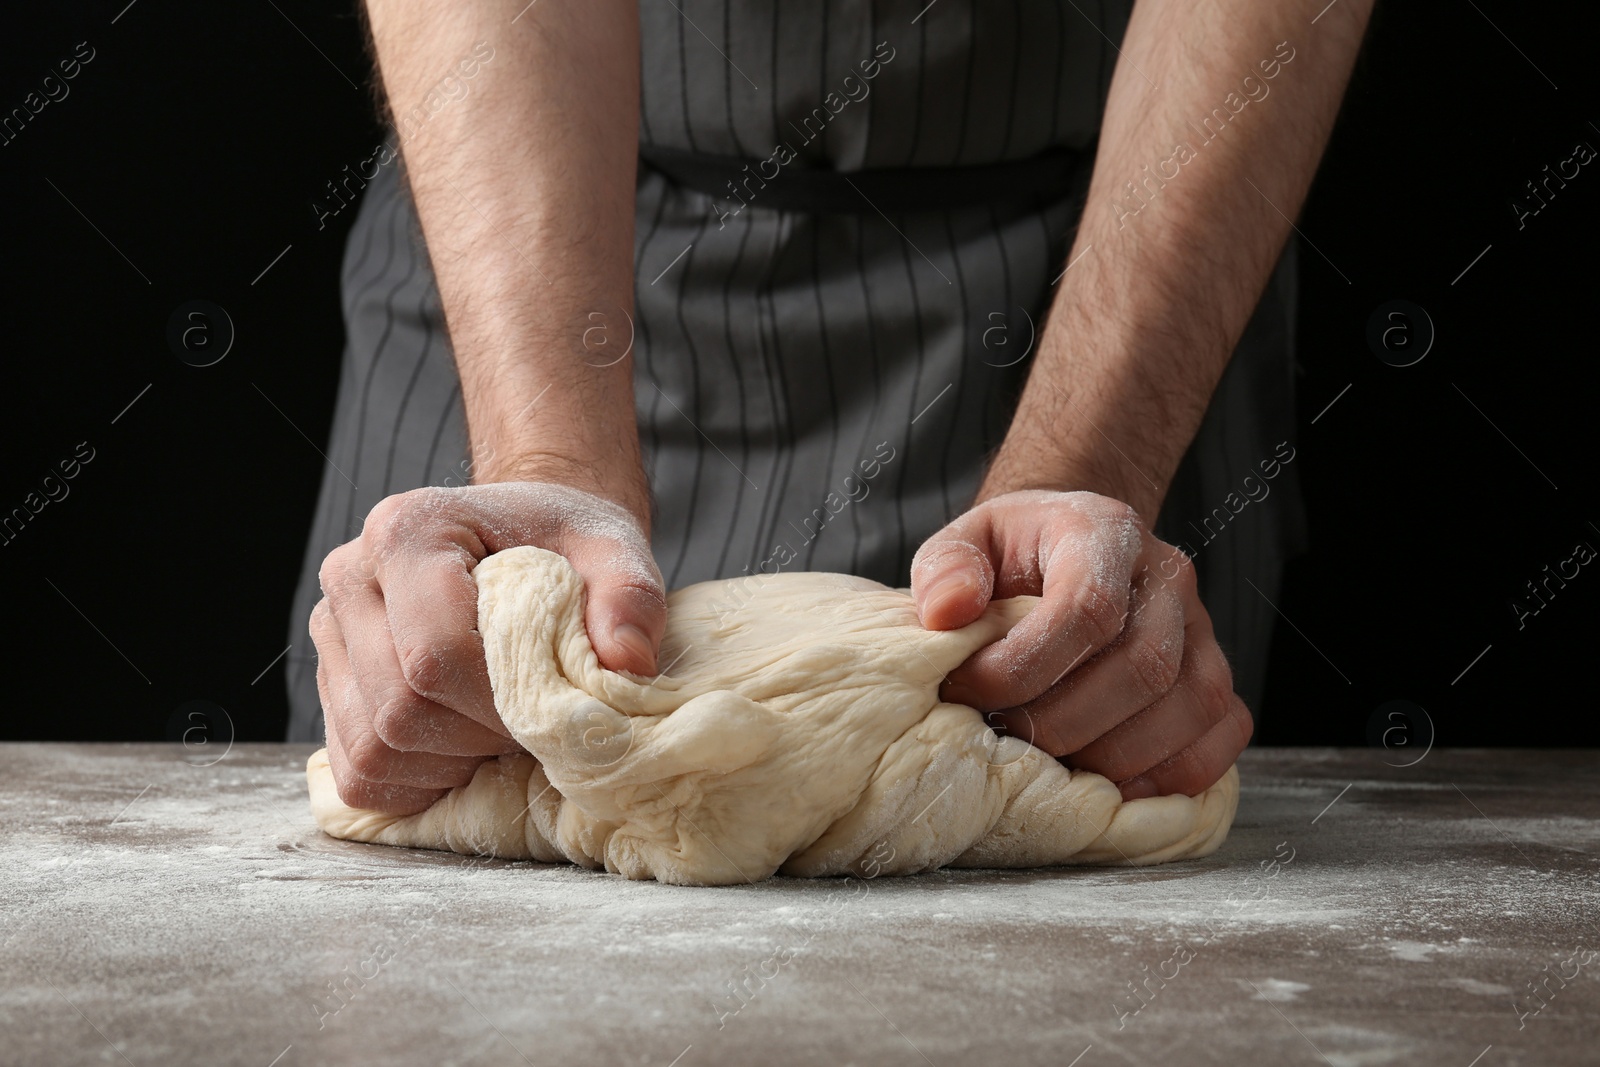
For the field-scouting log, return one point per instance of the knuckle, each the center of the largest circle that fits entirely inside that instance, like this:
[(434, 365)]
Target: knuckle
[(649, 588), (374, 796), (328, 575), (1123, 514), (1106, 758), (379, 529), (1107, 512), (1194, 770), (352, 791), (929, 552), (322, 627), (615, 564), (1186, 579), (941, 550), (1040, 735), (356, 792), (399, 724), (394, 520), (1185, 773), (426, 668), (1179, 771), (369, 758), (1244, 727), (1155, 664), (1199, 766), (1031, 727), (1212, 688), (337, 570), (1102, 611), (1051, 747)]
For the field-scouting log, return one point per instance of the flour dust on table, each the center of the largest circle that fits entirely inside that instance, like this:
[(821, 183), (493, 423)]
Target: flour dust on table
[(797, 730)]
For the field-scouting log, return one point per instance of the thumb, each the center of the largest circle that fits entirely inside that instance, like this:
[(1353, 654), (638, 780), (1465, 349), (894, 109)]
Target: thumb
[(625, 609), (951, 582)]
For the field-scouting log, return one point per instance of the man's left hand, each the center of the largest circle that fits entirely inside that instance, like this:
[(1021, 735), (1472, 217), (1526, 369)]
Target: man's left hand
[(1116, 669)]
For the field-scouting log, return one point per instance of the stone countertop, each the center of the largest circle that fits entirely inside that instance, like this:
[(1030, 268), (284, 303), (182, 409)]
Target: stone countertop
[(166, 907)]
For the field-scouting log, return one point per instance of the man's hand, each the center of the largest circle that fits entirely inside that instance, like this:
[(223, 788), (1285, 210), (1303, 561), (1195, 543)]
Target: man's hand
[(400, 663), (525, 193), (1116, 669)]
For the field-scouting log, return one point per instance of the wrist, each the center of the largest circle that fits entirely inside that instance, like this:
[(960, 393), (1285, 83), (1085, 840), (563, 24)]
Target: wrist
[(1015, 472), (581, 434), (1095, 418), (623, 484)]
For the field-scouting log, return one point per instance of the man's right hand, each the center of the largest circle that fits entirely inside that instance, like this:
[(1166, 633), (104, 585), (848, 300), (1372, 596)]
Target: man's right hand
[(400, 663), (525, 193)]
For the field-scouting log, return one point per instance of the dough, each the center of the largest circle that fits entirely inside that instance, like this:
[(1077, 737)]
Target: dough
[(797, 729)]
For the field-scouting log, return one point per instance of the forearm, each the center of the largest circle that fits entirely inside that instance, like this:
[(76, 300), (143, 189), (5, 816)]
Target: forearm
[(525, 192), (1188, 208)]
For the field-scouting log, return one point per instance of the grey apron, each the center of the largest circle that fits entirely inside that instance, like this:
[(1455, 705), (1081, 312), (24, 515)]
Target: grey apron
[(818, 383)]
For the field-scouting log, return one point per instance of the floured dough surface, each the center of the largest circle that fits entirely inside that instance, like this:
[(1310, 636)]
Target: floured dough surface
[(796, 729)]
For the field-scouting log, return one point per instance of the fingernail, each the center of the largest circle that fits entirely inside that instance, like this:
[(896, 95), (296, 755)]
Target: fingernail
[(947, 591), (635, 641)]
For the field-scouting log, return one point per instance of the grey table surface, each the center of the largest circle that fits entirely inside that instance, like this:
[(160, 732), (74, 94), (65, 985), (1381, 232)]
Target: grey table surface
[(162, 908)]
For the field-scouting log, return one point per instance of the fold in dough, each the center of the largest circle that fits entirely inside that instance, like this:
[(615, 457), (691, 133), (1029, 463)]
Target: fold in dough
[(797, 729)]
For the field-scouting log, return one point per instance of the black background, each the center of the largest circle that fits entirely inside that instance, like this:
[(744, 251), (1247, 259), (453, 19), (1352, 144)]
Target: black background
[(198, 137)]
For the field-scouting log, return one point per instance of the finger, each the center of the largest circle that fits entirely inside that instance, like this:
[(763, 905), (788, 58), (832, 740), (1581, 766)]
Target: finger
[(375, 699), (359, 792), (1085, 589), (1129, 675), (625, 607), (404, 720), (1201, 765), (430, 603), (1202, 698), (333, 685), (952, 580)]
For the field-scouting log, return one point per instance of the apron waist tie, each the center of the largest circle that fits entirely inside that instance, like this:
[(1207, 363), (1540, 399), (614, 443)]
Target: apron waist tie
[(891, 190)]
